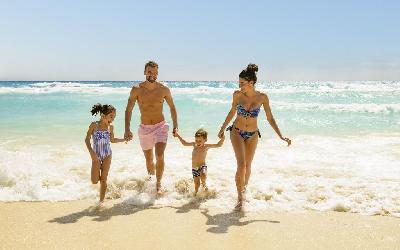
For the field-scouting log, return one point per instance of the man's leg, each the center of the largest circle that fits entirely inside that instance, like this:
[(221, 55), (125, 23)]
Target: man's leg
[(148, 154), (160, 148)]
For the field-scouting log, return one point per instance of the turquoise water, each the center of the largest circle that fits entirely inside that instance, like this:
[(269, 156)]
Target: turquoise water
[(345, 154), (329, 108)]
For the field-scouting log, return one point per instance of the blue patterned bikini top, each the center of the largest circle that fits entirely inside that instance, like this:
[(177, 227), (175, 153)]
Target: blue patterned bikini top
[(247, 113)]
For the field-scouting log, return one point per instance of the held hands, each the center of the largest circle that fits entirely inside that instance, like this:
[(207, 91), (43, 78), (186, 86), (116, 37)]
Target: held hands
[(128, 136), (221, 134), (286, 140), (175, 132)]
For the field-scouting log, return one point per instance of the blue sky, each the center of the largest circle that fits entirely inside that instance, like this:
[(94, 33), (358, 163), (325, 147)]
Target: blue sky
[(200, 40)]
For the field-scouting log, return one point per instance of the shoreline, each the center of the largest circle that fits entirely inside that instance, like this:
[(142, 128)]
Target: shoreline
[(75, 224)]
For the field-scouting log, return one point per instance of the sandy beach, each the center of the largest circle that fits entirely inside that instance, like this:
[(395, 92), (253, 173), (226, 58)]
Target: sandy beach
[(297, 104), (75, 225)]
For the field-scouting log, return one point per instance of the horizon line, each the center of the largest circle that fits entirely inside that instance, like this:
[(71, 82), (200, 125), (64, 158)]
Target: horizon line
[(194, 80)]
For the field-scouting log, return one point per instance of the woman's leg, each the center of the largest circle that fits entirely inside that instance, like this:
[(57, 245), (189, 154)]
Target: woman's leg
[(250, 149), (103, 177), (239, 149)]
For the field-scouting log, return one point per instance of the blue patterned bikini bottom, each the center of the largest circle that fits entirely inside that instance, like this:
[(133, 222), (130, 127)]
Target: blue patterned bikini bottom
[(244, 134)]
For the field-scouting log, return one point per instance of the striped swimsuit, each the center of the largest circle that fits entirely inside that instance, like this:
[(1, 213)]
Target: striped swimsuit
[(101, 143)]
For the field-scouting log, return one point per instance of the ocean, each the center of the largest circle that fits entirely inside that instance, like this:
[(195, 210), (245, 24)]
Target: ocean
[(345, 153)]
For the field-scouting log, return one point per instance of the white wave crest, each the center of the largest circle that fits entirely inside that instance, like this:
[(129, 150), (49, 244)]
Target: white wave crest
[(350, 107), (71, 87), (343, 174), (211, 87), (210, 101)]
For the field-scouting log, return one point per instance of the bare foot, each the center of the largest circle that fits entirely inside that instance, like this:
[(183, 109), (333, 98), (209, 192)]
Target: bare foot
[(205, 187), (97, 206), (239, 206), (244, 194), (160, 190), (149, 177)]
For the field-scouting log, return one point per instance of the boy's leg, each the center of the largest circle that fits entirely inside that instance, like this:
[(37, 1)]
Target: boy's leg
[(103, 177), (196, 184), (95, 172), (203, 178)]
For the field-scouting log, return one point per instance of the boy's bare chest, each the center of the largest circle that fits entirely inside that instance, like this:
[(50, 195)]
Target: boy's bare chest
[(199, 151)]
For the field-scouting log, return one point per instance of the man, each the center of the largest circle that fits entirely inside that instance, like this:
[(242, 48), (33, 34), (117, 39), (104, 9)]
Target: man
[(153, 130)]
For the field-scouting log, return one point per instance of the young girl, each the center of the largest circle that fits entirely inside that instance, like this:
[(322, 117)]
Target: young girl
[(102, 133)]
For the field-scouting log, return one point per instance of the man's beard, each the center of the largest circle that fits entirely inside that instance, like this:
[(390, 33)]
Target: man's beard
[(151, 79)]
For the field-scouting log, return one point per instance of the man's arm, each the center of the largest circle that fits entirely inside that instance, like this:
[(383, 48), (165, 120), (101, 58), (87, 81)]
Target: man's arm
[(128, 113), (174, 116)]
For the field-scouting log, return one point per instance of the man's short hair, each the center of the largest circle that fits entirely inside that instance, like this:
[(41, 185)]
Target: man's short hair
[(152, 64)]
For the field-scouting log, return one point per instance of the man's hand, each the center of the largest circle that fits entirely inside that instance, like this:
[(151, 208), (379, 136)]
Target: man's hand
[(128, 135), (175, 132)]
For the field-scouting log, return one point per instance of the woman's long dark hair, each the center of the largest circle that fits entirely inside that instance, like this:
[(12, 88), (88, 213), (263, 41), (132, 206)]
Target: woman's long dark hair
[(250, 73)]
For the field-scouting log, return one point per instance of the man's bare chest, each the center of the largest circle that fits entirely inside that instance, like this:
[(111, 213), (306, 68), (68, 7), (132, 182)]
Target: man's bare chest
[(154, 96)]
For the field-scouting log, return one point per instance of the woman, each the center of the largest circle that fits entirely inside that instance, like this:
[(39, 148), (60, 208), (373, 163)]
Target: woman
[(244, 132)]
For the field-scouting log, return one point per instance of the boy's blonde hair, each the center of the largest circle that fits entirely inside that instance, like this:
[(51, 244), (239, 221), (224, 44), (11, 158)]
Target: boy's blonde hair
[(201, 133)]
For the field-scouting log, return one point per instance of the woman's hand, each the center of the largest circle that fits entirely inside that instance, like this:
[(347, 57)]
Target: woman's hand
[(221, 133), (286, 140)]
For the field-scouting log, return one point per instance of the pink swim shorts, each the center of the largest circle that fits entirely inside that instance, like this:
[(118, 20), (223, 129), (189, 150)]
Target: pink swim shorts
[(149, 135)]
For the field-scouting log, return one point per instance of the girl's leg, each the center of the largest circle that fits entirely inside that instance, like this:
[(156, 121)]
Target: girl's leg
[(103, 177), (95, 172), (196, 184), (250, 149), (239, 148)]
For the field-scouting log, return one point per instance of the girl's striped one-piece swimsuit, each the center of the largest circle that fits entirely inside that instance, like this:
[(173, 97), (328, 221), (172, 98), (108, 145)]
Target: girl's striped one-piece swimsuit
[(101, 143)]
